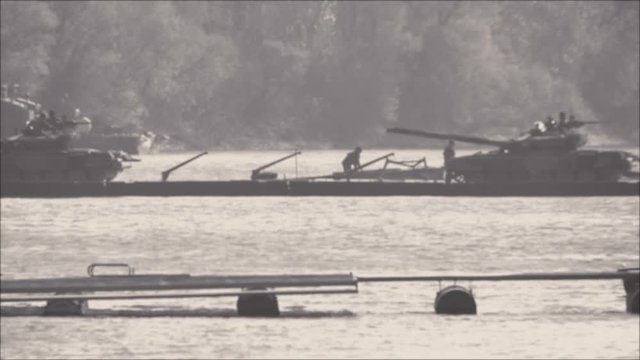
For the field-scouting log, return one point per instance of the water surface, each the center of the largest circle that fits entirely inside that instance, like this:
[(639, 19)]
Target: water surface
[(366, 236)]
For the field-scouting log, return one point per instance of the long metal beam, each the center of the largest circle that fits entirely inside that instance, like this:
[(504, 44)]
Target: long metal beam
[(257, 170), (174, 295), (171, 282), (507, 277), (166, 173)]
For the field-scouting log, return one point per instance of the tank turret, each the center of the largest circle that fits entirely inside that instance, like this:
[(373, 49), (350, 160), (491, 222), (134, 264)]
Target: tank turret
[(560, 138), (548, 152)]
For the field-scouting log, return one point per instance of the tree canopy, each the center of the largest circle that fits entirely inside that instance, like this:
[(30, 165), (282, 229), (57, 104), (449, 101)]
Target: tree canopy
[(244, 74)]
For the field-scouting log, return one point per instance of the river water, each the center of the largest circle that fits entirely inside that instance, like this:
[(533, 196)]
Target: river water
[(326, 235)]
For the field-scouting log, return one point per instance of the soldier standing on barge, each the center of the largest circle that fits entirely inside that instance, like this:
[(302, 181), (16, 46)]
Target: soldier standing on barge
[(449, 152), (352, 160)]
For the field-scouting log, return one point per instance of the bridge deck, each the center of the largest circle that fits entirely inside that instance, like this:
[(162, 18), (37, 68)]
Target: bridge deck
[(171, 282)]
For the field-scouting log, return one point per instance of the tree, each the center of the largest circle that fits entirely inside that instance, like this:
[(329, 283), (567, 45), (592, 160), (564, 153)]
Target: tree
[(26, 37)]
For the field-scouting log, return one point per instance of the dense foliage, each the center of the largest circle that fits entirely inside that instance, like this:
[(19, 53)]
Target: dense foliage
[(327, 73)]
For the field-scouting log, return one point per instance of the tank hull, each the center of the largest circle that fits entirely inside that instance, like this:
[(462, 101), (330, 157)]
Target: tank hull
[(576, 166), (75, 165)]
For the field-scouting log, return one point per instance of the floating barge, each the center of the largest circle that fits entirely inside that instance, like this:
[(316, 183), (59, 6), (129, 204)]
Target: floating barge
[(414, 181), (312, 188)]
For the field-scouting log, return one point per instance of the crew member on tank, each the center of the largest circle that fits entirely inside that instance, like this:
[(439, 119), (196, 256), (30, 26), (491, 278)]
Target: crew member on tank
[(352, 160), (562, 121), (53, 118), (76, 115), (550, 124), (449, 151), (538, 128), (37, 126)]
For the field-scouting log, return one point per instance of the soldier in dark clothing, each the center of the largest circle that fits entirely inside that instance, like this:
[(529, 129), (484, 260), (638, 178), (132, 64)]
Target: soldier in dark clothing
[(449, 152), (550, 124), (562, 121), (37, 126), (53, 119), (562, 118), (352, 160)]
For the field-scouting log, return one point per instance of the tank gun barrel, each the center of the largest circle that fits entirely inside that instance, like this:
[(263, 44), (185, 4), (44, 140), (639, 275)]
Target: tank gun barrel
[(462, 138)]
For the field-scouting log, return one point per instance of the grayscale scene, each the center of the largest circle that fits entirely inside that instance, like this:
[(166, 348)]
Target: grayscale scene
[(320, 180)]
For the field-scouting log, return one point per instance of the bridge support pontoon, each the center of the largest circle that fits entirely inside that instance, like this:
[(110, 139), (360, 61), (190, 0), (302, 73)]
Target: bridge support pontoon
[(258, 305), (66, 307), (455, 300)]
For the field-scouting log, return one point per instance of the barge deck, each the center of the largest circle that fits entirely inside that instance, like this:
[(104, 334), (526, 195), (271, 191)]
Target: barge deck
[(312, 188)]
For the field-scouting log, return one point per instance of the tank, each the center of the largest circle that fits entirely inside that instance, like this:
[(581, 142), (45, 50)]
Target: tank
[(48, 158), (34, 150), (545, 153)]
